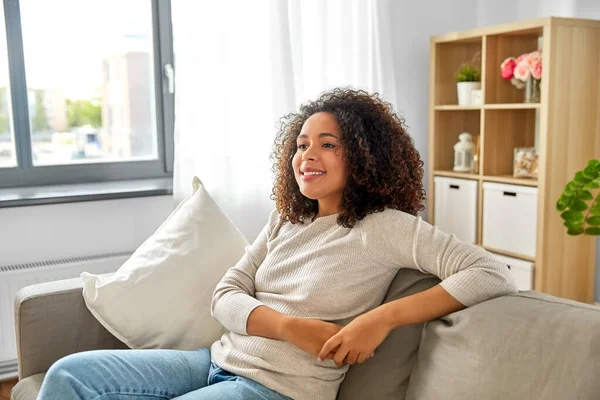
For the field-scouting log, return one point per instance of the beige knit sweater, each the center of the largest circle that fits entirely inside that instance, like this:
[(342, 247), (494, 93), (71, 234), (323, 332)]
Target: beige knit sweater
[(324, 271)]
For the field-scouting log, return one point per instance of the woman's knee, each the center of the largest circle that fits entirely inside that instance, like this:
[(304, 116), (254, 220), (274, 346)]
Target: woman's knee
[(75, 365), (69, 364)]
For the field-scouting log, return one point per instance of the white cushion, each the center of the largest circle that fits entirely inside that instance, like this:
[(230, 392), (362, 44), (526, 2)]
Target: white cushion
[(160, 297)]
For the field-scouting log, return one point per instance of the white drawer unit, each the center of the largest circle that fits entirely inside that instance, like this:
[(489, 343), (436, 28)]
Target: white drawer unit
[(456, 207), (510, 218), (521, 271)]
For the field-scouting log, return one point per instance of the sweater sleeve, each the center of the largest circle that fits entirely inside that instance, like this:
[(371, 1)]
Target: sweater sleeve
[(233, 299), (468, 272)]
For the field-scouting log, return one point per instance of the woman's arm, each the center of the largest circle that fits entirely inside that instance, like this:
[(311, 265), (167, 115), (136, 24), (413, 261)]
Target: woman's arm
[(235, 306), (469, 275), (359, 339), (266, 322), (234, 296), (425, 306), (307, 334)]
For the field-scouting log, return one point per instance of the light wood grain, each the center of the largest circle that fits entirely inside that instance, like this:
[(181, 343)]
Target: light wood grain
[(481, 139), (514, 28), (549, 48), (449, 57), (459, 175), (504, 131), (509, 179), (5, 388), (450, 124), (511, 106), (569, 131), (572, 138), (510, 254), (450, 107), (499, 47), (432, 143)]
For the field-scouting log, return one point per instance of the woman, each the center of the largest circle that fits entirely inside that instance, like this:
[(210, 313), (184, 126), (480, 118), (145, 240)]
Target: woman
[(304, 302)]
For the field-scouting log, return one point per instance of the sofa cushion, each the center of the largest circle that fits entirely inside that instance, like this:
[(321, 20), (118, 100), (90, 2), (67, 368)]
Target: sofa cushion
[(160, 297), (28, 388), (385, 375), (525, 346)]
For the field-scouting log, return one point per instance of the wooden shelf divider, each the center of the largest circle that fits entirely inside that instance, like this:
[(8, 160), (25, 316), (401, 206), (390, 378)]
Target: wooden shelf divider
[(563, 125)]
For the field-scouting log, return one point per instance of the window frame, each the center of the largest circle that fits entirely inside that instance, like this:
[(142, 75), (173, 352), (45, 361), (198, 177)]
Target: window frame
[(26, 174)]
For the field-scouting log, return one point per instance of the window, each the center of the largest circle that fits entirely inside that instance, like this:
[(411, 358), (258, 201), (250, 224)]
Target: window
[(8, 156), (86, 91)]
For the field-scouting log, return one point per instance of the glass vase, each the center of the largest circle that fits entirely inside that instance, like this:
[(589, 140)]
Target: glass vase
[(532, 90)]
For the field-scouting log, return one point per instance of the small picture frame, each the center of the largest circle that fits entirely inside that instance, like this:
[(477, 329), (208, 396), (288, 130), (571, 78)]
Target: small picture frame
[(476, 97)]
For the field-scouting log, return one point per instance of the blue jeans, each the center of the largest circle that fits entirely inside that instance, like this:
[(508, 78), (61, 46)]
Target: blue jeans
[(147, 375)]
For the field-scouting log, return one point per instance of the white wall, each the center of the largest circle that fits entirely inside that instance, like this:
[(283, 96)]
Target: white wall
[(414, 22), (50, 232)]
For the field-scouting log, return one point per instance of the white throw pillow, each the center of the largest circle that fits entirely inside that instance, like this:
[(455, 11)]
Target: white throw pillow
[(160, 297)]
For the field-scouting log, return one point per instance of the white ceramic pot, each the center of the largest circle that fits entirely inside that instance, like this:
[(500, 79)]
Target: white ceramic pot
[(464, 92)]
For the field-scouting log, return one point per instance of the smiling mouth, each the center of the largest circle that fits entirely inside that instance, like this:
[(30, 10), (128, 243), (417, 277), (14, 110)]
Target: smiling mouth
[(312, 173), (310, 176)]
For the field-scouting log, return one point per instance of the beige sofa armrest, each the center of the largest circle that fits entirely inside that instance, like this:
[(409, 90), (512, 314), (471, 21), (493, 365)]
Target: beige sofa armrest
[(52, 321)]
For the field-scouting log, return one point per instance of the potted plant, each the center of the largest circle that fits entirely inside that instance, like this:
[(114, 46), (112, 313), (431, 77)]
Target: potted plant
[(577, 199), (468, 78)]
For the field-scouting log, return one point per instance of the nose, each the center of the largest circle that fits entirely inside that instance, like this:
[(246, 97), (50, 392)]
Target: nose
[(309, 153)]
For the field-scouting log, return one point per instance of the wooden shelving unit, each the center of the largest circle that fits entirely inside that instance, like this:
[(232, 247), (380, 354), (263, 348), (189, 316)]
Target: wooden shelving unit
[(514, 106), (509, 253), (565, 125)]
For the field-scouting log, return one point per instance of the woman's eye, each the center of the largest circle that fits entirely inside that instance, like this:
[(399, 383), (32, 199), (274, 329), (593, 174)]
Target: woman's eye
[(328, 145)]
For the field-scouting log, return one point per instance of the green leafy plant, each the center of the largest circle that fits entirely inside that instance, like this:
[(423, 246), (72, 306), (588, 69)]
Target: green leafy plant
[(579, 206), (468, 73)]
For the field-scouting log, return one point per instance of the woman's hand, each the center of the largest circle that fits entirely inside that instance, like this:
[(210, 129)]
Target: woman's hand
[(309, 334), (358, 340)]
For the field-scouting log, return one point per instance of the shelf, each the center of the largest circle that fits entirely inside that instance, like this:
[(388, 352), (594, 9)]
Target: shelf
[(505, 106), (512, 106), (452, 174), (449, 107), (504, 122), (449, 57), (450, 124), (509, 254), (498, 48), (506, 130), (510, 179)]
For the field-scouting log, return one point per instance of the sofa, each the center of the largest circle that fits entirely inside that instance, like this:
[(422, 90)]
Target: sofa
[(524, 346)]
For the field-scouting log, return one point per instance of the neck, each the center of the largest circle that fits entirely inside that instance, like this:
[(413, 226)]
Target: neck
[(326, 209)]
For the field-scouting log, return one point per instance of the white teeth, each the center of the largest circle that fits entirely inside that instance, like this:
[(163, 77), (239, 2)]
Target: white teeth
[(314, 173)]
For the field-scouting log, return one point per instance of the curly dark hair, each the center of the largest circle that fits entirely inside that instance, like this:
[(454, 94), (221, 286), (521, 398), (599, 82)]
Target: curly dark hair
[(386, 170)]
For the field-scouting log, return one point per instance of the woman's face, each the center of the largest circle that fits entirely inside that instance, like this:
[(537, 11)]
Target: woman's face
[(318, 149)]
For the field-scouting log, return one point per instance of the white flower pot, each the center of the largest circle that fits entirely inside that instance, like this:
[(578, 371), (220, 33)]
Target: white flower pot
[(464, 92)]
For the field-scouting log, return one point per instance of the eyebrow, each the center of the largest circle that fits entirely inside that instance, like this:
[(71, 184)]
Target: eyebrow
[(304, 135)]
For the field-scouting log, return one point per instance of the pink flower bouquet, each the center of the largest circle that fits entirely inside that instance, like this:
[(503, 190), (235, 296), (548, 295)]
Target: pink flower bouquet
[(521, 69)]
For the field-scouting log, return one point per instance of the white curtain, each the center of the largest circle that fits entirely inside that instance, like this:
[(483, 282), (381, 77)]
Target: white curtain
[(241, 65)]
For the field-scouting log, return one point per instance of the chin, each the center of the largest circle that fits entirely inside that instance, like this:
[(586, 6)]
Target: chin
[(309, 195)]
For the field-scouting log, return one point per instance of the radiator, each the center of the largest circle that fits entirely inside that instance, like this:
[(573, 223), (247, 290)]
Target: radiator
[(15, 277)]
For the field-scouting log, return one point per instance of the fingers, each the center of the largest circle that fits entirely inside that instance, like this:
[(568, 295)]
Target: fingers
[(340, 356), (332, 352), (329, 345), (352, 357), (364, 357)]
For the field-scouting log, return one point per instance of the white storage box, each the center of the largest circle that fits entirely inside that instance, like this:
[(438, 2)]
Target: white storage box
[(521, 271), (456, 207), (509, 218)]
